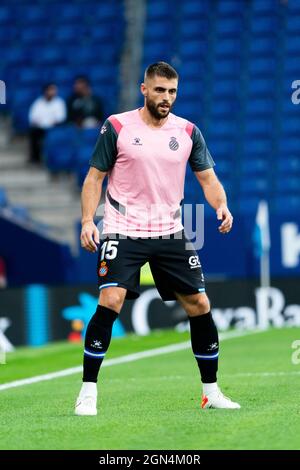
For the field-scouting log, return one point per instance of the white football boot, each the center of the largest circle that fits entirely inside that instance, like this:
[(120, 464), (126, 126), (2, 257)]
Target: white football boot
[(86, 403), (86, 406), (216, 399)]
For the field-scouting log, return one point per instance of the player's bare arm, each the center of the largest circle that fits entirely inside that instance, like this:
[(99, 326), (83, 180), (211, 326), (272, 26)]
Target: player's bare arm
[(216, 197), (90, 197)]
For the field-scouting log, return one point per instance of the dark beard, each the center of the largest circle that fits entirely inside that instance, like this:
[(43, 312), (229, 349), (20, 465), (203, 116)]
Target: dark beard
[(153, 110)]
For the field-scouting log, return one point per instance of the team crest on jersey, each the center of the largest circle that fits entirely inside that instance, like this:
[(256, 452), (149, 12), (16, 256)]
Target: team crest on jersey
[(103, 270), (173, 144), (137, 141), (103, 129)]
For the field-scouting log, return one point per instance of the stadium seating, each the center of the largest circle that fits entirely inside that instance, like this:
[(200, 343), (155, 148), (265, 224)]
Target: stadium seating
[(55, 44), (237, 61)]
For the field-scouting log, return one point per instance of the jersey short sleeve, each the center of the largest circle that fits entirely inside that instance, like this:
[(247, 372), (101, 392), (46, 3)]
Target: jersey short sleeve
[(105, 151), (200, 159)]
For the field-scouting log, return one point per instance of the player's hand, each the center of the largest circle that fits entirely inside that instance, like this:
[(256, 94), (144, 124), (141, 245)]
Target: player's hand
[(224, 214), (89, 236)]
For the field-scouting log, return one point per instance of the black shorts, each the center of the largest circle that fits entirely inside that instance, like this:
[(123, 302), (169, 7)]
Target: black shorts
[(174, 268)]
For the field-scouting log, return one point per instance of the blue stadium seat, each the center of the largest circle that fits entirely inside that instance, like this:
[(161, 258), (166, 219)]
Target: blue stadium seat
[(192, 48), (228, 47), (157, 29), (190, 91), (107, 11), (230, 67), (258, 127), (263, 66), (158, 9), (292, 45), (223, 128), (191, 70), (292, 65), (6, 14), (194, 8), (289, 164), (157, 51), (35, 15), (32, 77), (227, 107), (229, 26), (290, 184), (189, 109), (59, 148), (69, 33), (89, 136), (265, 86), (224, 167), (263, 6), (254, 185), (222, 149), (50, 54), (255, 166), (36, 35), (291, 123), (248, 204), (230, 8), (293, 24), (287, 204), (289, 145), (259, 147), (226, 88), (264, 25), (260, 106), (264, 46), (194, 28), (21, 101)]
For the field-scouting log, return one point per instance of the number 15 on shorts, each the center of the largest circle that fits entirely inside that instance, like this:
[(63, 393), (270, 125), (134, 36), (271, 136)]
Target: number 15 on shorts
[(109, 249)]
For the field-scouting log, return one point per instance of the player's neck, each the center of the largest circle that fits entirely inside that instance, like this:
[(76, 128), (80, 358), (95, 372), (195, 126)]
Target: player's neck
[(150, 120)]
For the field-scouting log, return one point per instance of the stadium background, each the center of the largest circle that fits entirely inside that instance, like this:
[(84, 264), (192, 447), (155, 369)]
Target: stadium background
[(237, 61)]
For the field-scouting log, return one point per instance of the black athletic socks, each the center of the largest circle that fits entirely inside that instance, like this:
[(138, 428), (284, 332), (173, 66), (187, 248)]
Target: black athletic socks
[(205, 345), (97, 339)]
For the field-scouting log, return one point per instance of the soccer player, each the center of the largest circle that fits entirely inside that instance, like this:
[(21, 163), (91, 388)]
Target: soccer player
[(144, 152)]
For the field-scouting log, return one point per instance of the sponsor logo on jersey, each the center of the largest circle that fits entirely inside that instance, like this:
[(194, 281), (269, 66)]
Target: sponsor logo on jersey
[(173, 144), (103, 270), (103, 129)]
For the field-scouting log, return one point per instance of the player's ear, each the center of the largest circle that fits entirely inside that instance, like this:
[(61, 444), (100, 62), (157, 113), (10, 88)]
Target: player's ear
[(143, 89)]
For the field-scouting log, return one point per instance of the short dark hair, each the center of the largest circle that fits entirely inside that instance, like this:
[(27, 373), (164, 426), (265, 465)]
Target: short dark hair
[(48, 85), (82, 78), (162, 69)]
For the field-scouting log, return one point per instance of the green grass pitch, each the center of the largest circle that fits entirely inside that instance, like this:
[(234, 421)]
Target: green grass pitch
[(153, 403)]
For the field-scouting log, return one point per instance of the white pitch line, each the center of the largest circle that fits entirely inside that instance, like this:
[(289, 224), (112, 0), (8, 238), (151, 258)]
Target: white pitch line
[(264, 374), (120, 360)]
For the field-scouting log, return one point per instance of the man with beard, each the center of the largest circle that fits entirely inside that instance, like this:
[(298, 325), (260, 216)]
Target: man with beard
[(144, 152)]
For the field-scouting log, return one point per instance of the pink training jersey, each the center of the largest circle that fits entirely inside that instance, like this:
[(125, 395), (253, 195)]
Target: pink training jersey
[(146, 171)]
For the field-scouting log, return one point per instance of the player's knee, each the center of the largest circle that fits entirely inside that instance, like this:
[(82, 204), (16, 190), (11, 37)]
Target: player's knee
[(112, 299), (199, 305)]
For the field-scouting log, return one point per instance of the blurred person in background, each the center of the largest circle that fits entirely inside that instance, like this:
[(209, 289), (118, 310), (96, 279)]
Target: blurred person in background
[(84, 108), (47, 111)]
